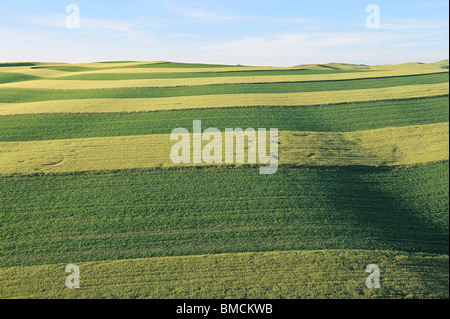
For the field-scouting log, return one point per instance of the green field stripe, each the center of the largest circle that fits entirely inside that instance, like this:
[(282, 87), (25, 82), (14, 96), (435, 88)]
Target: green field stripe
[(83, 67), (172, 65), (11, 95), (61, 219), (127, 105), (15, 95), (65, 68), (132, 64), (417, 68), (329, 118), (398, 146), (15, 77), (268, 275), (49, 70), (141, 69), (62, 70), (18, 64), (388, 80), (135, 76), (176, 65)]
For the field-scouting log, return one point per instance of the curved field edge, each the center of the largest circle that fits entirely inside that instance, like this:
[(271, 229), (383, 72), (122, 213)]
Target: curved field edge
[(266, 275), (393, 146), (330, 118), (115, 105), (187, 82), (169, 75), (168, 213), (14, 77), (154, 70), (47, 70), (62, 69), (18, 95)]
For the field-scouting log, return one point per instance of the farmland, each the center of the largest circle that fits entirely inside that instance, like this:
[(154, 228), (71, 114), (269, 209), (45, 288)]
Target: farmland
[(68, 91), (119, 104), (371, 80), (292, 274), (330, 118), (86, 178), (144, 214), (396, 146)]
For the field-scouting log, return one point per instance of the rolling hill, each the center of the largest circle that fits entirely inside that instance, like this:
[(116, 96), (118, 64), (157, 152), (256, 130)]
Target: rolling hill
[(86, 178)]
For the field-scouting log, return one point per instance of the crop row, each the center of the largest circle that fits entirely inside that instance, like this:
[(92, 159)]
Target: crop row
[(329, 118), (396, 146), (118, 105), (17, 95), (14, 77), (170, 75), (278, 275), (247, 84), (53, 219)]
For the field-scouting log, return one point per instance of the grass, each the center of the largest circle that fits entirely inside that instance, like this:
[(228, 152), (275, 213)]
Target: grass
[(65, 68), (86, 67), (134, 76), (184, 65), (63, 219), (119, 62), (241, 84), (16, 95), (389, 146), (383, 147), (387, 70), (216, 70), (40, 73), (439, 65), (329, 118), (82, 67), (60, 69), (15, 64), (277, 275), (15, 77), (118, 103), (364, 178)]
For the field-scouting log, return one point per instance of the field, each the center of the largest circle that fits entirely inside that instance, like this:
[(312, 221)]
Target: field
[(86, 178), (144, 214), (239, 275), (395, 146)]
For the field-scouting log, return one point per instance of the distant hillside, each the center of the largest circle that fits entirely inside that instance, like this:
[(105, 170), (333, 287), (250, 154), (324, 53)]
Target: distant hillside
[(443, 64)]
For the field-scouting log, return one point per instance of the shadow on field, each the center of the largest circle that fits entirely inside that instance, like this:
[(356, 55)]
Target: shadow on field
[(383, 208), (404, 209)]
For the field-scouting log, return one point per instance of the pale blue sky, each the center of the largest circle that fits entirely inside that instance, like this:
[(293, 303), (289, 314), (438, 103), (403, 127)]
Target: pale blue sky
[(250, 32)]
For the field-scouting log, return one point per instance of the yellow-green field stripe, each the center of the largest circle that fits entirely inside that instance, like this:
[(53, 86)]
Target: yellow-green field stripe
[(48, 72), (157, 83), (119, 105), (262, 275), (42, 70), (397, 146), (387, 70)]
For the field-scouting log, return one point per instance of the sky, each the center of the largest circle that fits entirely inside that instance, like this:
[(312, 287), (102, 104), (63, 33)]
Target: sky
[(246, 32)]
